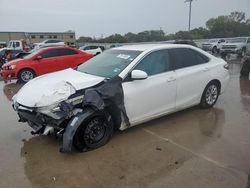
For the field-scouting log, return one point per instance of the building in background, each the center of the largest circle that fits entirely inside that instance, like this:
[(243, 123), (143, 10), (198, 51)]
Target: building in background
[(36, 37)]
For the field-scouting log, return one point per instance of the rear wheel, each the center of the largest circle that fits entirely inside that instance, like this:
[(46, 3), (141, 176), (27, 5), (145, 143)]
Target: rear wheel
[(26, 75), (210, 95), (93, 133)]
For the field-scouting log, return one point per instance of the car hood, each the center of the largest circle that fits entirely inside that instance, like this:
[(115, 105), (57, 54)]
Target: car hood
[(13, 62), (54, 88)]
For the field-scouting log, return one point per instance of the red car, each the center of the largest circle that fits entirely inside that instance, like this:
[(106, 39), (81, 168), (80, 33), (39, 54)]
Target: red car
[(43, 61)]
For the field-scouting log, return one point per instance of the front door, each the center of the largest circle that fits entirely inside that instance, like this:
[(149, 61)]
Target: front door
[(154, 96)]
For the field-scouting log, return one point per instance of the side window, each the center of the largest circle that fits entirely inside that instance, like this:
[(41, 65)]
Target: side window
[(93, 47), (200, 57), (183, 57), (248, 41), (87, 48), (49, 54), (65, 52), (17, 44), (155, 63)]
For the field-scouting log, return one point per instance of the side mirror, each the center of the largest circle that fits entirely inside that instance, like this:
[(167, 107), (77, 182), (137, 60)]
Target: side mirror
[(138, 75), (38, 58)]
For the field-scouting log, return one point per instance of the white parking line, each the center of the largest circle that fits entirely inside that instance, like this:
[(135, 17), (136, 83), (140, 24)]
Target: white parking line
[(188, 150)]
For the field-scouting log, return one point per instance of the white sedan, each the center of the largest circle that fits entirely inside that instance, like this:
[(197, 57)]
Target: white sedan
[(120, 88)]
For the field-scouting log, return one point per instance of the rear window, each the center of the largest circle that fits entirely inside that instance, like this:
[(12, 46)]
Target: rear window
[(66, 52)]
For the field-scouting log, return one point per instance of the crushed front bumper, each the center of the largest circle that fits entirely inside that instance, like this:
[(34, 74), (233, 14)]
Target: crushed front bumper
[(36, 120)]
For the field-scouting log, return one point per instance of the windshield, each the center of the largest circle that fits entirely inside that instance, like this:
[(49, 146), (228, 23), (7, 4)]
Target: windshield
[(238, 40), (32, 53), (109, 64)]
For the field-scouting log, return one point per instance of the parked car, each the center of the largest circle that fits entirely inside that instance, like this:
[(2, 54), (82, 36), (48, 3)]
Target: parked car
[(3, 44), (92, 49), (43, 61), (18, 45), (245, 70), (189, 42), (120, 88), (48, 43), (115, 45), (7, 54), (213, 45), (239, 46)]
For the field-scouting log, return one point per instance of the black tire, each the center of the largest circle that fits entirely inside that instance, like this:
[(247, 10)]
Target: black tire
[(26, 75), (214, 50), (93, 133), (210, 95)]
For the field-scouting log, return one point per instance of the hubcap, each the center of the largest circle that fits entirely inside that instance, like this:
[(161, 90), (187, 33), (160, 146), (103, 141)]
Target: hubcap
[(94, 132), (211, 94), (26, 76)]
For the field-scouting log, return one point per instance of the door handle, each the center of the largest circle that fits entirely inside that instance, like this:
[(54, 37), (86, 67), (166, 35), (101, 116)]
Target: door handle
[(205, 69), (171, 79)]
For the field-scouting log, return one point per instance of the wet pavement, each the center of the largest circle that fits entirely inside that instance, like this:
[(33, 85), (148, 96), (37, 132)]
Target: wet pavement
[(192, 148)]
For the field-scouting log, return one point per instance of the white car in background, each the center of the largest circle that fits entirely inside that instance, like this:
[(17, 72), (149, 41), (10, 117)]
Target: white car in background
[(48, 43), (92, 49), (238, 45), (213, 45), (120, 88)]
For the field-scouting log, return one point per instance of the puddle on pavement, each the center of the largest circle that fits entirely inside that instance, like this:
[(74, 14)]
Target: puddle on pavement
[(135, 158)]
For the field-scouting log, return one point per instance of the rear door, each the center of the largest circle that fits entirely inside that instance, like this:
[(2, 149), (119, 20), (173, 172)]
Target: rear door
[(192, 73), (154, 96)]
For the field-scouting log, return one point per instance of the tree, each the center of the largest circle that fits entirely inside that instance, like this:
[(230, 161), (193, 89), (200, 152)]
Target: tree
[(233, 25), (237, 16)]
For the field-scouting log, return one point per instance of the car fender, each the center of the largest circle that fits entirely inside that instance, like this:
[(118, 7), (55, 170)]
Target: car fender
[(72, 127)]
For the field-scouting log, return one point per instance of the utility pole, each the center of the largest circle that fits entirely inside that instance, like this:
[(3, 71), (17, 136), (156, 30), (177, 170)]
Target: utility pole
[(190, 12)]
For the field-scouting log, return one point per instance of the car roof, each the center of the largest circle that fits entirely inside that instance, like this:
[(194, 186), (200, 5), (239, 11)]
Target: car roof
[(149, 47), (56, 47)]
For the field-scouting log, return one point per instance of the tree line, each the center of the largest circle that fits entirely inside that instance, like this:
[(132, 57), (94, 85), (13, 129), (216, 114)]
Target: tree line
[(234, 25)]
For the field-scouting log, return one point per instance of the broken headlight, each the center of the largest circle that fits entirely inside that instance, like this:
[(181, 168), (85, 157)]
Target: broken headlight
[(64, 107)]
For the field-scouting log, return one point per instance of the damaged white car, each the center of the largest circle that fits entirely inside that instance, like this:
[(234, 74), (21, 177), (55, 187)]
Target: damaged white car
[(118, 89)]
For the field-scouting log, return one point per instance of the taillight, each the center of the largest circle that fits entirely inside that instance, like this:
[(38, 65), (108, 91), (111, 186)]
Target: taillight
[(226, 66)]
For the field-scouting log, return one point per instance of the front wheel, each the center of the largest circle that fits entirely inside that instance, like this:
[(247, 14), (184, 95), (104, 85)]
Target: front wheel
[(210, 95), (214, 50), (93, 133), (26, 75)]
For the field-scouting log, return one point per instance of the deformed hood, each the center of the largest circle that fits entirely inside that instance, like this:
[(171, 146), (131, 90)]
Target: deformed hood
[(55, 87)]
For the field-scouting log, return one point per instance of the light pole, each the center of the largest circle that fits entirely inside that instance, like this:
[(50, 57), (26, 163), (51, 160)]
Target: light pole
[(190, 12)]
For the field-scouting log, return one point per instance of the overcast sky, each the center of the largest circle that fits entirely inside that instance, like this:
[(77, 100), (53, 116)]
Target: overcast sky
[(106, 17)]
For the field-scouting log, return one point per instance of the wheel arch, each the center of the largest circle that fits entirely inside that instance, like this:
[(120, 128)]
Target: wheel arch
[(215, 81), (25, 68)]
